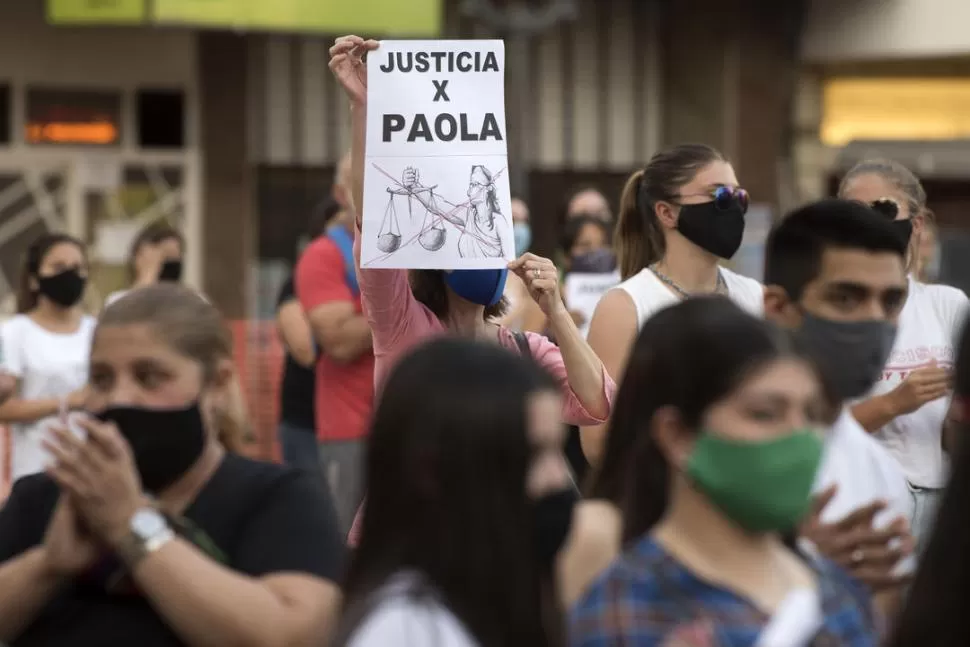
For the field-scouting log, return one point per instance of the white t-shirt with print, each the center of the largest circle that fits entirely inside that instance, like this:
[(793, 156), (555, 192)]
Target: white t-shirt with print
[(48, 365), (929, 329), (650, 294)]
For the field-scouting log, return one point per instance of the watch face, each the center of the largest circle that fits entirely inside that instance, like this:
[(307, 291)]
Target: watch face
[(147, 523)]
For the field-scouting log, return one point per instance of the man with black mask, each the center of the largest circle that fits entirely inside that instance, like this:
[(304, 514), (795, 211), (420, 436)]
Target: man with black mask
[(835, 276)]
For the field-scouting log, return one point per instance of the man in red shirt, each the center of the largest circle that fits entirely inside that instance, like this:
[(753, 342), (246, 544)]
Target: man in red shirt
[(326, 287)]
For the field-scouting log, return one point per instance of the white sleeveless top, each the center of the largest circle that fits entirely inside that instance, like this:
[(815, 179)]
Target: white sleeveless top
[(650, 294)]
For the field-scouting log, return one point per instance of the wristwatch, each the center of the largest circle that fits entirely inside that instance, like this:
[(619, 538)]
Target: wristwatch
[(148, 531)]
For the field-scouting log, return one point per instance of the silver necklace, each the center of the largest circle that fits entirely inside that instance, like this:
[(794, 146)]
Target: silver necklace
[(719, 288)]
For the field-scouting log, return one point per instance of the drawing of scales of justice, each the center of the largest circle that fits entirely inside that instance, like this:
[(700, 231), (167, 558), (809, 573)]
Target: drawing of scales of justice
[(475, 219)]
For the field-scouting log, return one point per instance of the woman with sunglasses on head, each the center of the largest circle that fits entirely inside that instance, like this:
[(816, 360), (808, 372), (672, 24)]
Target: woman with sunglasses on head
[(679, 217), (908, 406), (45, 346), (404, 309), (147, 529)]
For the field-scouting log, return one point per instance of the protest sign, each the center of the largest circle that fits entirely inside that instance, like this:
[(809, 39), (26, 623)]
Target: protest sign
[(436, 188), (583, 291)]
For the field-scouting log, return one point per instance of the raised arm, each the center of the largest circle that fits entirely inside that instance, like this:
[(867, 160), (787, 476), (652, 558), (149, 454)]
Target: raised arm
[(385, 294)]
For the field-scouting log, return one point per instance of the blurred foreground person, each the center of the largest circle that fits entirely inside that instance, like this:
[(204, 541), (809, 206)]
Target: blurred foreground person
[(145, 531), (469, 500), (711, 462), (935, 611)]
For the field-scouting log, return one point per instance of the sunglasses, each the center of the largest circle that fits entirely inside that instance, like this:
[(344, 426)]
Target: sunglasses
[(725, 198), (886, 207)]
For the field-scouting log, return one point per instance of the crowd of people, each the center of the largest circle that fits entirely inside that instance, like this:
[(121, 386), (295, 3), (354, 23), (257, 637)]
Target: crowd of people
[(470, 460)]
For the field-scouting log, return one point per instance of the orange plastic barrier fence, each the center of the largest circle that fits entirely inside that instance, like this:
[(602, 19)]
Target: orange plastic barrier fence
[(259, 359)]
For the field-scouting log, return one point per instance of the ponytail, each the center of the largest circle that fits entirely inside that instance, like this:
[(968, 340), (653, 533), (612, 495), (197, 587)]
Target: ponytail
[(638, 240)]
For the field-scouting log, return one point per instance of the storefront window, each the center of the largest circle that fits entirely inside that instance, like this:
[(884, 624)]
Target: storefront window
[(73, 117)]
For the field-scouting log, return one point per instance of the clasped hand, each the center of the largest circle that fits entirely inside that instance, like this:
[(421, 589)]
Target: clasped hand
[(100, 492)]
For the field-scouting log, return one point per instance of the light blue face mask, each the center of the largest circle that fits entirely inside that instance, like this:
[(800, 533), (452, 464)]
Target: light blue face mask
[(523, 237)]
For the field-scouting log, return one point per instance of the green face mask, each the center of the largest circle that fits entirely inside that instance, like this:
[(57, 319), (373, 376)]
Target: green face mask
[(762, 486)]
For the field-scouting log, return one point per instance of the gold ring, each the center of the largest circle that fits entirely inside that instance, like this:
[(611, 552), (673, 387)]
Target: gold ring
[(536, 273)]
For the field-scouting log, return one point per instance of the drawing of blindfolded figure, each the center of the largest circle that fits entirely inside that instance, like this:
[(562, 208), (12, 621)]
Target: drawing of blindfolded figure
[(481, 238)]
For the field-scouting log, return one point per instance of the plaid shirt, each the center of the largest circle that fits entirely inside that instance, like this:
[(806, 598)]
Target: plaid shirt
[(648, 599)]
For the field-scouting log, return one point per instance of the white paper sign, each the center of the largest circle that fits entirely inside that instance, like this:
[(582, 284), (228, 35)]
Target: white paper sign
[(113, 240), (583, 291), (436, 183)]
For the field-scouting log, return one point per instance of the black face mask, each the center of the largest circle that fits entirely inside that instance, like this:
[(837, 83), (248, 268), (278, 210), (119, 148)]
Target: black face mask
[(714, 229), (171, 271), (65, 288), (164, 442), (553, 516)]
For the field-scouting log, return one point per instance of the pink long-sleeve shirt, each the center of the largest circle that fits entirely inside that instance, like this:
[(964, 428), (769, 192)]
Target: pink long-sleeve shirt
[(399, 322)]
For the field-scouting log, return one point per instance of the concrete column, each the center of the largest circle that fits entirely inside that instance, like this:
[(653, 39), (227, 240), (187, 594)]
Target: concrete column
[(229, 219)]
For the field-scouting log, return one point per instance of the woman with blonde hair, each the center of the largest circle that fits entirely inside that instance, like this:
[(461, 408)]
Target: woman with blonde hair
[(145, 530), (680, 216)]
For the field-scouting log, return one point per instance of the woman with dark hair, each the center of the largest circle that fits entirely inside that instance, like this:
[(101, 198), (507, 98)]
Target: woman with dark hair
[(46, 346), (679, 217), (934, 614), (469, 499), (711, 461), (156, 255), (907, 408), (403, 313)]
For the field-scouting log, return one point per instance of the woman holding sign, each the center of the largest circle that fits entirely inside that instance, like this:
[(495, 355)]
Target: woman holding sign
[(404, 313)]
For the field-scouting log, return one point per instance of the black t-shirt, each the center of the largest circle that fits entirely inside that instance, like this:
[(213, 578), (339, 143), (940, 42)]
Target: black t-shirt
[(297, 391), (264, 518)]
